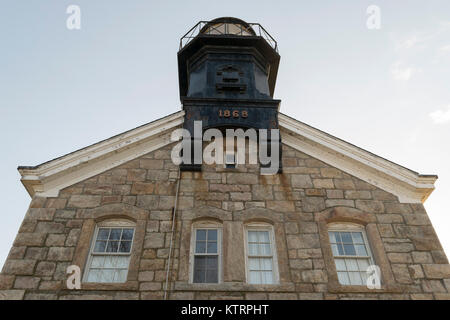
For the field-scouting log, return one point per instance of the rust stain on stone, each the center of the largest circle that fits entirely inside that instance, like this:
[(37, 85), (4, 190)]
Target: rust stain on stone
[(284, 180)]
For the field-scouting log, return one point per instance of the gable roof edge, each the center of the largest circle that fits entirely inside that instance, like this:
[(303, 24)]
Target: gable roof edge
[(407, 184), (45, 179)]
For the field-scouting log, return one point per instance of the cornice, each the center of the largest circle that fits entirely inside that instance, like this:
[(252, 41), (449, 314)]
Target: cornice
[(48, 178), (408, 185)]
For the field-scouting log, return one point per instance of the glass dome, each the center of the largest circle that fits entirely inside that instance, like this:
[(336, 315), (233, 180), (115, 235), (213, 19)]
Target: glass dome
[(228, 25)]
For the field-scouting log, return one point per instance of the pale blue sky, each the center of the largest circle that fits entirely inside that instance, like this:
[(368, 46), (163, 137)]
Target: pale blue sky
[(384, 90)]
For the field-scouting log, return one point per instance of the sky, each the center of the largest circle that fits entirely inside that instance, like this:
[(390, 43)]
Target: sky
[(385, 90)]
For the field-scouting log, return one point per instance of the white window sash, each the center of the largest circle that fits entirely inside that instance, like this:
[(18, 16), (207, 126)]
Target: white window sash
[(193, 254), (273, 256), (352, 228), (92, 254)]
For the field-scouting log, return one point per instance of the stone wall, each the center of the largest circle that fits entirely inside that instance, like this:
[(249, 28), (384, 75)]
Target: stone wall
[(57, 232)]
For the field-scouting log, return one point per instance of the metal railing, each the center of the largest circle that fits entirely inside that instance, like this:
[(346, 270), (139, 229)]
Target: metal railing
[(253, 29)]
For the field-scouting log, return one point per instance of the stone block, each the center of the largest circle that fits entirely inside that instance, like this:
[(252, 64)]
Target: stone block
[(301, 181), (142, 188), (26, 282), (84, 201), (314, 276), (151, 164), (136, 175), (29, 239), (436, 271), (281, 206), (19, 267), (262, 192), (371, 206), (313, 204), (344, 184), (335, 194), (358, 194), (45, 268), (12, 294), (154, 240), (60, 254), (323, 183), (242, 178)]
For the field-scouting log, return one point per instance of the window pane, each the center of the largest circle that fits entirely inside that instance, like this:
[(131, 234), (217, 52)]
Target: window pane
[(357, 237), (340, 249), (115, 234), (334, 248), (121, 262), (255, 277), (253, 264), (120, 276), (100, 246), (332, 237), (94, 276), (113, 246), (97, 262), (252, 236), (265, 249), (212, 235), (125, 246), (360, 250), (349, 250), (337, 236), (199, 262), (352, 265), (340, 265), (199, 276), (346, 237), (264, 236), (212, 247), (109, 262), (199, 269), (200, 247), (267, 277), (343, 278), (211, 276), (252, 249), (201, 234), (107, 275), (127, 234), (363, 264), (103, 234), (211, 263), (266, 264), (355, 278), (364, 278)]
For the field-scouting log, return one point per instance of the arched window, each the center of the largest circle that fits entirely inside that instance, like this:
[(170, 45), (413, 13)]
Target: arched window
[(110, 251), (261, 259), (351, 252), (206, 252)]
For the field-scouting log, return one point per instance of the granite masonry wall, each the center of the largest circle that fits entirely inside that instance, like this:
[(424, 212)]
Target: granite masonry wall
[(57, 232)]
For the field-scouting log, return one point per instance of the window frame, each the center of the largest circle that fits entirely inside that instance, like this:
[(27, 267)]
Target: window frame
[(229, 165), (206, 226), (275, 271), (110, 224), (351, 227)]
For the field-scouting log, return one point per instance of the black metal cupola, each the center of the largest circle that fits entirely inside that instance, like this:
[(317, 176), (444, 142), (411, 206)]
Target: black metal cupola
[(227, 72)]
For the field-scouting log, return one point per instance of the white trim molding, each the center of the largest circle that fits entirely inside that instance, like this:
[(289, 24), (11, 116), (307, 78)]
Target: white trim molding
[(407, 185), (49, 178)]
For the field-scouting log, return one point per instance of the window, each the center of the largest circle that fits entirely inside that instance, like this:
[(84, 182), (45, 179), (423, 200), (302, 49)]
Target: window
[(261, 257), (230, 159), (109, 257), (351, 253), (206, 254)]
